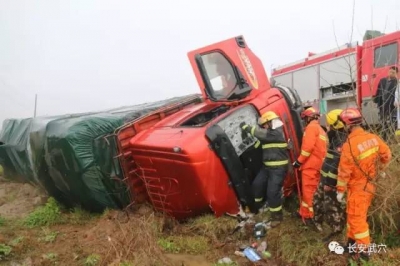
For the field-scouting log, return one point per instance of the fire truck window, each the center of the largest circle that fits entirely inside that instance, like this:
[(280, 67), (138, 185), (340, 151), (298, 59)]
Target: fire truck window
[(221, 74), (386, 55)]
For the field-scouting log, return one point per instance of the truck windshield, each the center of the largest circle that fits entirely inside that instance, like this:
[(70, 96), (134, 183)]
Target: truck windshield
[(221, 75)]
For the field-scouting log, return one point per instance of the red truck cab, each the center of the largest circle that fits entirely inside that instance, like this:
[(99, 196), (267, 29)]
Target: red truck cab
[(191, 158)]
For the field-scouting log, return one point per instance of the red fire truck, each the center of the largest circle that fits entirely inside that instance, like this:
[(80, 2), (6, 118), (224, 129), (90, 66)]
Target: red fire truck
[(345, 76)]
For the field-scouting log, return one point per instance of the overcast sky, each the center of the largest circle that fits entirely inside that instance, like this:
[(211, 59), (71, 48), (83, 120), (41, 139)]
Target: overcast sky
[(87, 55)]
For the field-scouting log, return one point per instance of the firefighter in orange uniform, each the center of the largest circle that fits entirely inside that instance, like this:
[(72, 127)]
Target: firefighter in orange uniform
[(313, 151), (364, 156)]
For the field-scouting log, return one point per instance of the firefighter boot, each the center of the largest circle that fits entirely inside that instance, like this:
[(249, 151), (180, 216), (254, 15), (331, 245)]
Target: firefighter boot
[(350, 247), (276, 219)]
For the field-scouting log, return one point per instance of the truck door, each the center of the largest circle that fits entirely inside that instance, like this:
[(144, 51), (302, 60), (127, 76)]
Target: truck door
[(294, 131), (377, 58), (229, 72)]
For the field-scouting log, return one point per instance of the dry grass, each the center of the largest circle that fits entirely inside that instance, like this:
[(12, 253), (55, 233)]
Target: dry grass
[(76, 238), (145, 238), (136, 241), (300, 245), (385, 210)]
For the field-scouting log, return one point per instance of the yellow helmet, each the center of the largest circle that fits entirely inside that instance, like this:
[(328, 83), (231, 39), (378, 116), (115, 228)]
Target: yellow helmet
[(268, 116), (332, 119)]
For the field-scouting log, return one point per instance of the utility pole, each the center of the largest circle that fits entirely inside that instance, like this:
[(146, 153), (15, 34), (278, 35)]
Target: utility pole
[(34, 112)]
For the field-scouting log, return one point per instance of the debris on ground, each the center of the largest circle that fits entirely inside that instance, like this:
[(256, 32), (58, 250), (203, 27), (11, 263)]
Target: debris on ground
[(225, 261), (33, 233)]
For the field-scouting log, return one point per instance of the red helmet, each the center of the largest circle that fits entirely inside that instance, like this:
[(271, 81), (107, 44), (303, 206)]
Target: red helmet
[(351, 117), (309, 112)]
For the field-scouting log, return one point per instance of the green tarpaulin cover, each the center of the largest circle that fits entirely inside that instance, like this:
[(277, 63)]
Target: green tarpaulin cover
[(68, 156)]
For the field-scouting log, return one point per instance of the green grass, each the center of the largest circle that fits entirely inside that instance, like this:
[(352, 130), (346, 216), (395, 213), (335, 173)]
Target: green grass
[(48, 236), (5, 250), (184, 244), (79, 216), (50, 256), (16, 241), (3, 221), (49, 214), (126, 263), (92, 260)]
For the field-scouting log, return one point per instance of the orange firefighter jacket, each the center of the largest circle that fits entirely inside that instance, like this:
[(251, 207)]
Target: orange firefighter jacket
[(314, 146), (358, 162)]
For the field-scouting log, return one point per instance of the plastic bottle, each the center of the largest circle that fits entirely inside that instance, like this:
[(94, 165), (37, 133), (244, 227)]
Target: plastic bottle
[(262, 247), (251, 254), (239, 253)]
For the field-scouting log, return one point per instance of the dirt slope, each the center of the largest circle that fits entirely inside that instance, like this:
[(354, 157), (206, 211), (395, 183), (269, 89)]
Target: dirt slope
[(18, 200)]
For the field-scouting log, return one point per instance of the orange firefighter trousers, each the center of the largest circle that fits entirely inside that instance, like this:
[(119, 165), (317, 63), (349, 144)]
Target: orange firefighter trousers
[(313, 152), (358, 203), (309, 181)]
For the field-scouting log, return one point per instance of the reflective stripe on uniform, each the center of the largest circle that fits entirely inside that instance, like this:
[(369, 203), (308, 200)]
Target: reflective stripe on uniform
[(304, 204), (322, 137), (341, 183), (274, 145), (361, 235), (276, 209), (253, 129), (304, 153), (329, 174), (258, 143), (368, 153), (258, 199), (276, 163), (397, 133), (330, 156)]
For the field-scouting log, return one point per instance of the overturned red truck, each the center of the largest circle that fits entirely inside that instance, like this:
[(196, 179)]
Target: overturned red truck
[(190, 158)]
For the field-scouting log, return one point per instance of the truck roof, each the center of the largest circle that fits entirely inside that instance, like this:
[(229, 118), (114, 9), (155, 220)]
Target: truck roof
[(382, 39), (316, 58), (332, 53)]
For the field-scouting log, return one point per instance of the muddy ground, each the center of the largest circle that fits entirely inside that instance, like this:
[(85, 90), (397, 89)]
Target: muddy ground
[(35, 230)]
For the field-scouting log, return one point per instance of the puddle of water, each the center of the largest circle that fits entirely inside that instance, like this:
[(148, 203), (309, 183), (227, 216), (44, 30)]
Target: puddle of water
[(188, 260)]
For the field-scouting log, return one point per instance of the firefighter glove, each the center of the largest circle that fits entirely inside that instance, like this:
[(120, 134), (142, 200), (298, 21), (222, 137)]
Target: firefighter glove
[(243, 126), (339, 197), (296, 164)]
